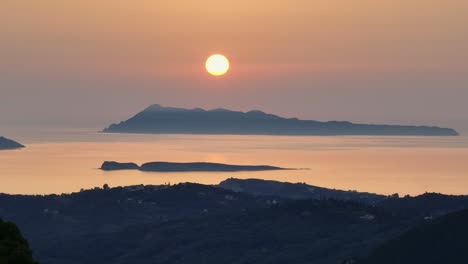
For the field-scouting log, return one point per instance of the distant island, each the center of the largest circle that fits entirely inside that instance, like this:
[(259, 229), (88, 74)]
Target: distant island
[(184, 167), (6, 143), (157, 119)]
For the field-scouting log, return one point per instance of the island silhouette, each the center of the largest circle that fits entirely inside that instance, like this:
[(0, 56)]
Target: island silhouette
[(6, 143), (157, 119), (161, 166)]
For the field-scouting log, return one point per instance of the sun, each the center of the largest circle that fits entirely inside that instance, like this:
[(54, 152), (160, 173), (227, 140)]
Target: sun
[(217, 65)]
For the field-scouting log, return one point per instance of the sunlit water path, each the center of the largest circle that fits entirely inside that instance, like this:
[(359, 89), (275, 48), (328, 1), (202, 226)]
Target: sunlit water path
[(66, 161)]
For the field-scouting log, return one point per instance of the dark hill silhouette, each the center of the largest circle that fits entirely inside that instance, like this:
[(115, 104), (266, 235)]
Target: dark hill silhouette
[(193, 223), (297, 191), (157, 119), (6, 143), (425, 205), (442, 241)]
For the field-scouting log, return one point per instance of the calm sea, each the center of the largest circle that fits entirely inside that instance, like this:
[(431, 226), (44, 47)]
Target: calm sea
[(67, 160)]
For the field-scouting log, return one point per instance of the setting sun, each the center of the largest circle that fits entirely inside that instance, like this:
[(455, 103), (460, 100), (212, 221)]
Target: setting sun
[(217, 65), (175, 132)]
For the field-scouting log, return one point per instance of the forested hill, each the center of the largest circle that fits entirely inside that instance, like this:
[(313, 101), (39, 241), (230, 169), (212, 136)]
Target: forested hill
[(443, 240), (194, 223)]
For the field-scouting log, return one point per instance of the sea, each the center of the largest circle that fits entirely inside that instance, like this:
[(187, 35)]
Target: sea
[(59, 161)]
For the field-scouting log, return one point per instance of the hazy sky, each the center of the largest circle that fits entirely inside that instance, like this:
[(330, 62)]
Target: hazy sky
[(91, 63)]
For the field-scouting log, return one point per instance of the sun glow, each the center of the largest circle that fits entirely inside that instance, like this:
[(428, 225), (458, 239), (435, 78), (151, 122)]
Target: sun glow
[(217, 65)]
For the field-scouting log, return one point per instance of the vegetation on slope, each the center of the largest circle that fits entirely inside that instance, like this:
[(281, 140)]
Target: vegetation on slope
[(14, 249), (442, 241)]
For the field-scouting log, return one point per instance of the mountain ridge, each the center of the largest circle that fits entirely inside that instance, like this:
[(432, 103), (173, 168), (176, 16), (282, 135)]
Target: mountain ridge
[(157, 119), (195, 223)]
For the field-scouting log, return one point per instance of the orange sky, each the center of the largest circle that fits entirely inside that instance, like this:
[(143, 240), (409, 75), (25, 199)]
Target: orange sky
[(53, 52)]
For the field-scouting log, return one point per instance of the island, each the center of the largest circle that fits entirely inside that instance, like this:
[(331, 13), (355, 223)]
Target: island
[(157, 119), (112, 165), (6, 143), (184, 167)]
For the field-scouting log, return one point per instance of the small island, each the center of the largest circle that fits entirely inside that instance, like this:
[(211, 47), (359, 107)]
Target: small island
[(157, 119), (112, 165), (6, 144), (184, 167)]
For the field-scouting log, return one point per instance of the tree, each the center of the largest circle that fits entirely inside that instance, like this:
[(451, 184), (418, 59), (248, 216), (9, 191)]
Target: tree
[(14, 249)]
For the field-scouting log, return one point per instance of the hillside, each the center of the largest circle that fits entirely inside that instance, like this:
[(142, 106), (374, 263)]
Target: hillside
[(297, 191), (194, 223), (442, 240)]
